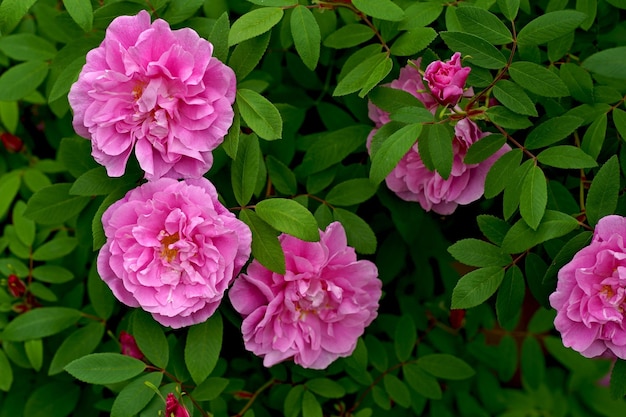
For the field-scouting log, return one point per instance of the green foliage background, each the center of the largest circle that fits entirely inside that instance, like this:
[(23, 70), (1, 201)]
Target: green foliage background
[(295, 160)]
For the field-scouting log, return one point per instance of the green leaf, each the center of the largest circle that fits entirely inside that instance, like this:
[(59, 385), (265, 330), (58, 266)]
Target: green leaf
[(81, 12), (435, 148), (78, 344), (54, 399), (476, 50), (40, 322), (11, 12), (619, 120), (219, 37), (55, 248), (503, 117), (421, 381), (179, 11), (9, 186), (97, 182), (391, 99), (27, 47), (34, 352), (392, 150), (358, 77), (521, 237), (484, 148), (532, 362), (202, 350), (565, 255), (310, 406), (534, 197), (609, 63), (578, 81), (510, 296), (265, 245), (260, 114), (604, 191), (552, 131), (492, 227), (136, 395), (376, 75), (248, 54), (538, 79), (566, 157), (549, 26), (480, 22), (6, 372), (150, 338), (102, 300), (618, 380), (283, 178), (289, 217), (75, 154), (53, 205), (22, 79), (9, 114), (306, 36), (514, 98), (500, 172), (594, 136), (275, 3), (413, 41), (245, 169), (420, 14), (293, 401), (347, 36), (474, 252), (351, 192), (443, 365), (509, 8), (476, 287), (381, 9), (105, 368), (360, 235), (326, 387), (397, 390), (210, 389), (411, 115), (254, 23), (332, 148), (405, 338), (24, 228)]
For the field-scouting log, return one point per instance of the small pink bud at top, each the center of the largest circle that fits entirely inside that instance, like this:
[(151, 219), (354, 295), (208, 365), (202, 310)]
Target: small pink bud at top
[(12, 143), (173, 408), (129, 346), (447, 79), (16, 286)]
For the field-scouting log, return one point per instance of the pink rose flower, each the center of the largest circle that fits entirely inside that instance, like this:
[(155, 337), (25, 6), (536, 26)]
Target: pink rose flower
[(172, 249), (447, 79), (129, 346), (316, 311), (173, 408), (590, 295), (155, 90), (412, 181)]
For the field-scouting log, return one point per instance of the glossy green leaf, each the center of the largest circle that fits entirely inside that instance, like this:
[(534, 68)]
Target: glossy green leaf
[(446, 366), (265, 245), (97, 182), (578, 82), (377, 74), (476, 50), (360, 235), (293, 401), (210, 389), (506, 118), (289, 217), (81, 12), (6, 372), (476, 287), (509, 8), (260, 114), (27, 47), (254, 23), (381, 9), (397, 390), (136, 395), (538, 79), (435, 148), (500, 172), (594, 136), (549, 26), (310, 405), (11, 12), (405, 338), (75, 154), (78, 344), (411, 115), (34, 352), (510, 295), (610, 63), (493, 228), (347, 36), (413, 41), (604, 191), (532, 362), (9, 186), (248, 54), (24, 228), (619, 119), (245, 169), (219, 37), (513, 97), (566, 157), (9, 115), (105, 368), (618, 380), (282, 177), (102, 300), (420, 14), (54, 205), (475, 252), (484, 148), (179, 11), (392, 99), (53, 399), (40, 322), (326, 387), (351, 192), (306, 35), (358, 77), (150, 338), (534, 197), (521, 237), (202, 350), (552, 131), (55, 248), (22, 79), (392, 150), (484, 24), (421, 381)]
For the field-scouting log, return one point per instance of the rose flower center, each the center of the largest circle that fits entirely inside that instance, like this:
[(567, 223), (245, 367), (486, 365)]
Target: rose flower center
[(168, 253)]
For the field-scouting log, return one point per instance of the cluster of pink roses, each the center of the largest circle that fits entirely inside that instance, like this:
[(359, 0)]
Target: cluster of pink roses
[(172, 248), (411, 180)]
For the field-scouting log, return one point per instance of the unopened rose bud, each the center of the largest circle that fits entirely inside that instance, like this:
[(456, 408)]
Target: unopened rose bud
[(447, 79), (11, 142), (457, 318), (20, 308), (173, 408), (16, 286), (129, 346)]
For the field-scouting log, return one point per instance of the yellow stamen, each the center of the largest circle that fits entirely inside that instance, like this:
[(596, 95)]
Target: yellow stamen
[(166, 251)]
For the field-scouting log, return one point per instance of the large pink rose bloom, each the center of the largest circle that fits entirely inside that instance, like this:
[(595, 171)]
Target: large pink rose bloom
[(447, 79), (155, 90), (172, 249), (317, 310), (590, 296)]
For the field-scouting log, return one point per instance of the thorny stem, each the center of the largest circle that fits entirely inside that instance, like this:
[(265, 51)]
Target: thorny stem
[(252, 399)]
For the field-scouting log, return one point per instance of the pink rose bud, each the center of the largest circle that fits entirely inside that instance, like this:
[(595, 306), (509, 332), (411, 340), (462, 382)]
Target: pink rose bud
[(12, 143), (447, 79), (173, 408), (157, 92), (129, 346), (591, 294), (15, 286)]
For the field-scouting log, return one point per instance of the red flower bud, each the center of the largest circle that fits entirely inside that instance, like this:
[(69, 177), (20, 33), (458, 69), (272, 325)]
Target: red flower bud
[(457, 318), (16, 286), (11, 142), (20, 308), (129, 346), (173, 408)]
